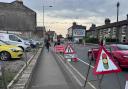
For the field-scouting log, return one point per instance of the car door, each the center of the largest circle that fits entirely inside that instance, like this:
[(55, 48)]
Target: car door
[(14, 40)]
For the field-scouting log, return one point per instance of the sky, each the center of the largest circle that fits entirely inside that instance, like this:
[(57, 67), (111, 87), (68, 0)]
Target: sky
[(63, 13)]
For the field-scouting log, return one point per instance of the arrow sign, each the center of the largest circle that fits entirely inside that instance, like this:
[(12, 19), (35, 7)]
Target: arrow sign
[(105, 63)]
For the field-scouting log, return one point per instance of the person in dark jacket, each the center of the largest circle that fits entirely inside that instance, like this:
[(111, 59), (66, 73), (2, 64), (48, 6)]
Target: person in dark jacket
[(47, 45)]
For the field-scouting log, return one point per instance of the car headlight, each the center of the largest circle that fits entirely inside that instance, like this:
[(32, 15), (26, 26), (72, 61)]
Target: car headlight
[(26, 43), (14, 50)]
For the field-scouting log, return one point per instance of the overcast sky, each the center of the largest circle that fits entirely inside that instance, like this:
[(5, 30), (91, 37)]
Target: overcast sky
[(84, 12)]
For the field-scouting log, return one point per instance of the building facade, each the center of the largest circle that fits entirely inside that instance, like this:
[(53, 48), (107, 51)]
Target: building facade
[(113, 31), (15, 16), (76, 32)]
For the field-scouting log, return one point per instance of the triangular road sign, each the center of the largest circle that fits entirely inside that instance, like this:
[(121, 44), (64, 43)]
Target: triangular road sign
[(69, 50), (105, 63)]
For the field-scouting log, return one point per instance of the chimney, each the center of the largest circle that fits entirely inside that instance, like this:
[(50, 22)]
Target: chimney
[(127, 16), (107, 21), (74, 24), (18, 2)]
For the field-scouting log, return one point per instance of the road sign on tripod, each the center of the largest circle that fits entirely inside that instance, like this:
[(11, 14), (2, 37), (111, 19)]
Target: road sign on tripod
[(69, 53), (105, 63)]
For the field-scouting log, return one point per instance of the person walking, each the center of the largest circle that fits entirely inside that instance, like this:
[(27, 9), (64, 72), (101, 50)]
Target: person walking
[(47, 45)]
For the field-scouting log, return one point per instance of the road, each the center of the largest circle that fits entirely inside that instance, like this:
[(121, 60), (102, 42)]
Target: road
[(110, 81)]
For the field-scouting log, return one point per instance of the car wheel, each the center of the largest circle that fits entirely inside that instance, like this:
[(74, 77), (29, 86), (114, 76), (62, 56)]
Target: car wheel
[(21, 48), (90, 57), (5, 56)]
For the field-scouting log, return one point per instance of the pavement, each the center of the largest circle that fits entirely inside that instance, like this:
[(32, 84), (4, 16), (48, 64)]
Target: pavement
[(48, 74)]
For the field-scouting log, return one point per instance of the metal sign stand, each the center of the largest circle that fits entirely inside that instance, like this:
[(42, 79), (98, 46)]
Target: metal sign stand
[(87, 75), (99, 79)]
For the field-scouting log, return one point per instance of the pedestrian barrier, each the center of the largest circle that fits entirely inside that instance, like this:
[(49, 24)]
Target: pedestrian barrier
[(59, 48)]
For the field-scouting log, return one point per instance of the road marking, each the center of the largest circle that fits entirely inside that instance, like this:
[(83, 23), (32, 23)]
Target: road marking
[(70, 72), (80, 73), (86, 63)]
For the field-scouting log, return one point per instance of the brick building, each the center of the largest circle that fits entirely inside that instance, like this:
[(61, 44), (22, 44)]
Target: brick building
[(76, 32), (15, 16), (116, 30)]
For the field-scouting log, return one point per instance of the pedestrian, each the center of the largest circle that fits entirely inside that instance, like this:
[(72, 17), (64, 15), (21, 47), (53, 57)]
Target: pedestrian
[(47, 45)]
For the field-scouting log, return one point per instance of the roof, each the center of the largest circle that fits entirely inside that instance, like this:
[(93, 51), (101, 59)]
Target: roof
[(115, 24), (50, 32), (40, 29), (15, 5), (78, 27)]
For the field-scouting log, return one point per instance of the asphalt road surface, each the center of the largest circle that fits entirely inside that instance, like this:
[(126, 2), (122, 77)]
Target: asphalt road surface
[(110, 81)]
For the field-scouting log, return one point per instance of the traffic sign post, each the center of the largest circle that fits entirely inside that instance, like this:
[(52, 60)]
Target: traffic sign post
[(70, 54), (104, 65)]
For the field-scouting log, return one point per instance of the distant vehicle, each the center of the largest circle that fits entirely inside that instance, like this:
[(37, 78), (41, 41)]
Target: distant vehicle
[(15, 40), (9, 51), (118, 51)]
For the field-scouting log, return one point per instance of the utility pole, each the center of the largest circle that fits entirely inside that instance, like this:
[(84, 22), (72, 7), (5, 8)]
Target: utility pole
[(117, 32)]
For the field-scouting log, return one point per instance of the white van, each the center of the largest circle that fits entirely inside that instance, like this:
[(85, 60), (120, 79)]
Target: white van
[(15, 40)]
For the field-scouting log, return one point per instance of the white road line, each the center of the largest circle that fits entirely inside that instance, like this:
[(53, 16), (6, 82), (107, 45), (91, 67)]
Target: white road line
[(70, 71), (86, 63), (80, 73)]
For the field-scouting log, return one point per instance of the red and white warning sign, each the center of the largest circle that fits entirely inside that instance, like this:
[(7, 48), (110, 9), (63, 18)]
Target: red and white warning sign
[(105, 63), (69, 50), (69, 53)]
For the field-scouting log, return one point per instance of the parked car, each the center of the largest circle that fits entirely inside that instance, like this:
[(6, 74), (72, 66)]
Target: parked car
[(15, 40), (118, 51), (9, 51)]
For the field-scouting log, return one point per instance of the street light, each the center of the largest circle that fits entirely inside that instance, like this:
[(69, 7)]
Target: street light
[(43, 13), (117, 5)]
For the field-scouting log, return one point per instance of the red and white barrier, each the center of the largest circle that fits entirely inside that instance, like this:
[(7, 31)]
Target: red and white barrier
[(59, 48)]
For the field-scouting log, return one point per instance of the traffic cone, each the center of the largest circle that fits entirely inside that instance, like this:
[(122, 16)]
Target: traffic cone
[(75, 59)]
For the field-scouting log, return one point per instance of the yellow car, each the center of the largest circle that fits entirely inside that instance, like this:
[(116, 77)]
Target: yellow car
[(9, 51)]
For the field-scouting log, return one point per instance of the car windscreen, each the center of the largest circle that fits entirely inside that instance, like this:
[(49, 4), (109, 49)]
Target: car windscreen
[(122, 47)]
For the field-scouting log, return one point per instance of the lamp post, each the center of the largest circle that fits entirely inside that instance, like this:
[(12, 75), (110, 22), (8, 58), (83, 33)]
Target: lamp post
[(117, 5), (43, 13)]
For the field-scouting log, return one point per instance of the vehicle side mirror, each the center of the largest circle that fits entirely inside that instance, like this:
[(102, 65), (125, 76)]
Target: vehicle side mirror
[(19, 40)]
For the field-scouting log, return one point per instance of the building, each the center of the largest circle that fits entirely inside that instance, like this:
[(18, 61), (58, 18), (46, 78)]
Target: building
[(15, 16), (76, 32), (117, 31), (51, 35), (39, 32)]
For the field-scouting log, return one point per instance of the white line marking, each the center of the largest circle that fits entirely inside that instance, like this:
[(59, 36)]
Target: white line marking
[(80, 73), (86, 63), (71, 72)]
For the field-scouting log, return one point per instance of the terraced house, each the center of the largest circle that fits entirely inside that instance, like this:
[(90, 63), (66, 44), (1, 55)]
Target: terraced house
[(17, 17), (113, 31)]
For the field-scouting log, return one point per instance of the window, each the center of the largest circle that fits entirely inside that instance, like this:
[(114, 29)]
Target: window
[(124, 29), (14, 38)]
